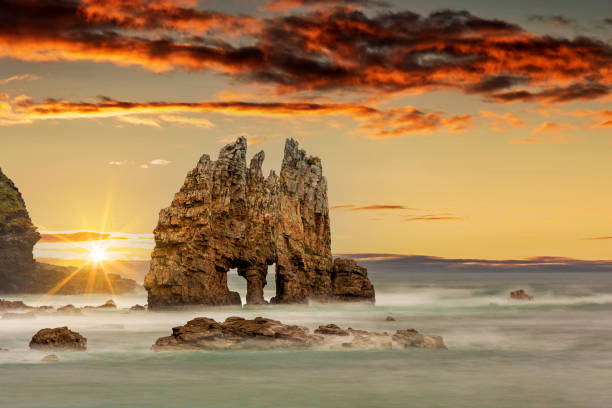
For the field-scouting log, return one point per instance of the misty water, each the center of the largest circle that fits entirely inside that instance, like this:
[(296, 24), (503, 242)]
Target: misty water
[(555, 352)]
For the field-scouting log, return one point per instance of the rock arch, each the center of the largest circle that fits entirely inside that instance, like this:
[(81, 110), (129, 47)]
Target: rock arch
[(227, 215)]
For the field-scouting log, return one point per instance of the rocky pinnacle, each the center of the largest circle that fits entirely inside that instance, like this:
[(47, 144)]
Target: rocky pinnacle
[(227, 215)]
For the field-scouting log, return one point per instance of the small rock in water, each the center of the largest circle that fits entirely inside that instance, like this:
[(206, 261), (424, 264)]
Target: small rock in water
[(331, 329), (50, 357), (60, 338), (69, 309), (390, 318), (520, 295), (137, 308), (110, 304), (3, 350)]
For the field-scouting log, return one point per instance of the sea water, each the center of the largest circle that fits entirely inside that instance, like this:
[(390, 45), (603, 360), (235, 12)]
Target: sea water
[(554, 352)]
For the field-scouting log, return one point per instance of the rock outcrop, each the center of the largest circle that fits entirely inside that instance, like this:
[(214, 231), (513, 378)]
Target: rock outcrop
[(20, 273), (520, 295), (237, 333), (60, 338), (17, 237), (227, 215)]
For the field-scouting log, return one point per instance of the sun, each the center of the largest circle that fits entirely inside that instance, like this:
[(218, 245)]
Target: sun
[(97, 254)]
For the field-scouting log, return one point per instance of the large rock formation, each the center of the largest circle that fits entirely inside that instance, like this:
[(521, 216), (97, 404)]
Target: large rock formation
[(234, 333), (20, 273), (227, 215)]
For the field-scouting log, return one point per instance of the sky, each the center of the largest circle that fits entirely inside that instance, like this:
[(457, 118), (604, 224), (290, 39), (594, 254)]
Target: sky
[(474, 129)]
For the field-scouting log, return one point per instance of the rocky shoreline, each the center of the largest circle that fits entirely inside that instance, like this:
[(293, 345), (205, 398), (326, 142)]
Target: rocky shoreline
[(237, 333)]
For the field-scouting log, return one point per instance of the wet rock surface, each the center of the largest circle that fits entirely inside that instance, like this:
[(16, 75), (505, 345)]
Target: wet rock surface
[(60, 338), (50, 358), (234, 333), (227, 215), (520, 295)]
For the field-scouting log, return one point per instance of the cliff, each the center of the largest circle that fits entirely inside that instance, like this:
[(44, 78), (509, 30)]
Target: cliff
[(20, 273), (17, 237), (227, 215)]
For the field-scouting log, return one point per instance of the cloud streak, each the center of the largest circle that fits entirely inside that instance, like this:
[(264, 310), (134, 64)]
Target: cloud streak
[(373, 122)]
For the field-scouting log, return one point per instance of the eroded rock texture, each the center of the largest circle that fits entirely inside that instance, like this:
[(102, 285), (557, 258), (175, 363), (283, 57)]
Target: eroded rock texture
[(227, 215)]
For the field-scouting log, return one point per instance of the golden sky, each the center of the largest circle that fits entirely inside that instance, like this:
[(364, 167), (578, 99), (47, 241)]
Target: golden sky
[(479, 132)]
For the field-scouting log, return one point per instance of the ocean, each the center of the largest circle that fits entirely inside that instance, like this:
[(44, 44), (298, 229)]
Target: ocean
[(554, 352)]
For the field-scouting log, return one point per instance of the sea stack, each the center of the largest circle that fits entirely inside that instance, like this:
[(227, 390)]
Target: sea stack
[(227, 215)]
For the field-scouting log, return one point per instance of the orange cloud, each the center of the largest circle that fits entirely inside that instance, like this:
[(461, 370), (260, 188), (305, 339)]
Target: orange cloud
[(80, 236), (336, 47), (23, 77), (373, 123), (551, 127), (351, 207), (502, 122)]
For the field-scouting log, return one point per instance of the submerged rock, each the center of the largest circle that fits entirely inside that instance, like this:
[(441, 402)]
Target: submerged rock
[(50, 357), (260, 333), (138, 308), (227, 215), (60, 338), (3, 350), (390, 318), (520, 295)]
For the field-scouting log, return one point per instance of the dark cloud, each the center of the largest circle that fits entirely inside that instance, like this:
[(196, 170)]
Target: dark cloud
[(284, 5), (394, 263), (333, 48), (556, 20), (578, 91)]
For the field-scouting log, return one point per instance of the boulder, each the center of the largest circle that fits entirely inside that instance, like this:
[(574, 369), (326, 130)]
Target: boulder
[(60, 338), (520, 295), (228, 215), (234, 333)]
